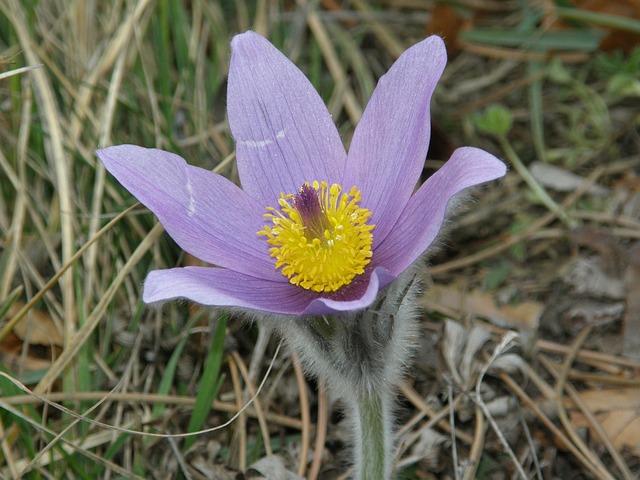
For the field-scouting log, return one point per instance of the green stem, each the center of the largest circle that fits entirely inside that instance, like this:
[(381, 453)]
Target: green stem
[(373, 437)]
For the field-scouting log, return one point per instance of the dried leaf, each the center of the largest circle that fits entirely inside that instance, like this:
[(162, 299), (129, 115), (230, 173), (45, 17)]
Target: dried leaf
[(38, 327), (453, 342), (561, 180), (596, 313), (523, 315), (475, 341), (271, 468), (617, 411), (446, 22), (428, 447), (508, 362), (12, 358), (501, 406), (211, 470), (587, 278)]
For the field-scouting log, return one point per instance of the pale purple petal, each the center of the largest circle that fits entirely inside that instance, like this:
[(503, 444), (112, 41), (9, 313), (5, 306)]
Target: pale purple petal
[(221, 287), (379, 279), (206, 214), (283, 131), (390, 143), (423, 216)]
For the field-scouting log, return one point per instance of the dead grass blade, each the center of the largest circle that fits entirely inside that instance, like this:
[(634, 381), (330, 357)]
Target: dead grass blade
[(20, 207), (477, 446), (321, 432), (561, 385), (260, 414), (60, 161), (19, 71), (82, 335), (38, 296), (34, 397), (238, 448), (304, 413), (351, 105)]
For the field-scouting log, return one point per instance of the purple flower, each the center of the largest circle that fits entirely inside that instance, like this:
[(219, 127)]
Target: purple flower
[(313, 230)]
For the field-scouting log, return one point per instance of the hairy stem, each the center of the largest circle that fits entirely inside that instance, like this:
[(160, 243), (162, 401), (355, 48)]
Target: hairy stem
[(373, 436)]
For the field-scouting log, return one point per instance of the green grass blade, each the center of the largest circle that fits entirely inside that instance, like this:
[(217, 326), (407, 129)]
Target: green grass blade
[(110, 453), (172, 365), (566, 40), (209, 385), (536, 110), (598, 18)]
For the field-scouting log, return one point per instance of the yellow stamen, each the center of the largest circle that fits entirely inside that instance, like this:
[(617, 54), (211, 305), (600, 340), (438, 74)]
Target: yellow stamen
[(320, 236)]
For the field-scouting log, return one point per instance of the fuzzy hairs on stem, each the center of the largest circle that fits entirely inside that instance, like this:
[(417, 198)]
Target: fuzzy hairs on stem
[(362, 355)]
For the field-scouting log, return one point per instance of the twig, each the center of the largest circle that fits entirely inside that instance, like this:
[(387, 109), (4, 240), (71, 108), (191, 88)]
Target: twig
[(562, 412), (500, 348), (560, 436), (437, 418), (264, 428), (321, 432), (617, 458), (532, 447), (561, 378), (179, 458), (477, 446), (587, 355), (424, 409), (304, 413), (454, 445), (240, 431)]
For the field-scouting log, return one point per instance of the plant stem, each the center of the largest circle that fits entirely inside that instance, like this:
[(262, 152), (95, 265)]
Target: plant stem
[(373, 437)]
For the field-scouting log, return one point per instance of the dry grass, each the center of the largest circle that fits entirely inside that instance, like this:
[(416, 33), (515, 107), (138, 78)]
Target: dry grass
[(95, 385)]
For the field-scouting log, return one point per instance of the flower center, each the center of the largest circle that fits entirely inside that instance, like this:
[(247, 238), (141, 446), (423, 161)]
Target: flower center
[(320, 236)]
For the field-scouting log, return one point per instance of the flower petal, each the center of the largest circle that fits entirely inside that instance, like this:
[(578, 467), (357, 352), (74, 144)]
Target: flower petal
[(423, 216), (379, 279), (283, 131), (222, 287), (206, 214), (390, 143)]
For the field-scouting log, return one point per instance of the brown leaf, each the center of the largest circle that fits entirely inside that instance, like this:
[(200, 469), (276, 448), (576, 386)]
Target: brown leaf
[(446, 22), (37, 327), (11, 356), (522, 315), (617, 411)]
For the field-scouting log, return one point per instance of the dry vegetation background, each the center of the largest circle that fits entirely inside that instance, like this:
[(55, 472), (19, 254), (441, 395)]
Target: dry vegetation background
[(550, 253)]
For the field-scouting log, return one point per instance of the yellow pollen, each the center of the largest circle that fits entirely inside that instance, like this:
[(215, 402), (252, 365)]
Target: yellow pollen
[(319, 237)]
